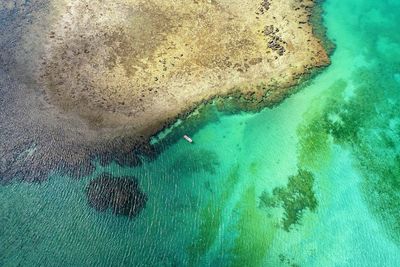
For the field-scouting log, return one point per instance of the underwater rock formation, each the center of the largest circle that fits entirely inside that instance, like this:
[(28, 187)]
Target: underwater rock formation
[(122, 195), (297, 197)]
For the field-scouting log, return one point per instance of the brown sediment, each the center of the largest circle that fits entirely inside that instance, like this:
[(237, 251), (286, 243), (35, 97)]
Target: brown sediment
[(142, 63), (97, 80)]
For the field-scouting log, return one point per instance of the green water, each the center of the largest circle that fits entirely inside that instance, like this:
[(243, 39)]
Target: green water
[(312, 182)]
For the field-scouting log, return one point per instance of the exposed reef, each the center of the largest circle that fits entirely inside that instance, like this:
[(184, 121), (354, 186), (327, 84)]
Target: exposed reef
[(142, 63), (122, 195), (81, 82)]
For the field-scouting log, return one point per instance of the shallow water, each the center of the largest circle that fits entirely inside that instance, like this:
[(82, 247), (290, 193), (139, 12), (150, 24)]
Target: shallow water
[(312, 182)]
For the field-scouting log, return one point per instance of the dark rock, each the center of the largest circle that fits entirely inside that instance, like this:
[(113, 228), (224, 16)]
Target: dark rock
[(122, 195)]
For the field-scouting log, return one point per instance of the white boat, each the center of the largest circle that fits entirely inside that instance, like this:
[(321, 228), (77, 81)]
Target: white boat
[(187, 138)]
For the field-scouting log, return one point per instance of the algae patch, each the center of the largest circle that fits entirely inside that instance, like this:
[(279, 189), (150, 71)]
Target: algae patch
[(320, 125), (197, 160), (362, 116), (211, 219), (255, 232), (297, 197)]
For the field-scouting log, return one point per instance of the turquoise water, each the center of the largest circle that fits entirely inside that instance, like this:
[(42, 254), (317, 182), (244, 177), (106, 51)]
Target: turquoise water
[(312, 182)]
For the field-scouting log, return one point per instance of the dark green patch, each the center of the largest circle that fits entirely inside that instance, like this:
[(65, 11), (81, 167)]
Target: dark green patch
[(367, 121), (196, 160), (287, 261), (314, 148), (297, 197), (255, 233), (211, 217)]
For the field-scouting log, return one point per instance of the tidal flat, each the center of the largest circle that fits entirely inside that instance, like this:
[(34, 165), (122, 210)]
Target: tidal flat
[(97, 80)]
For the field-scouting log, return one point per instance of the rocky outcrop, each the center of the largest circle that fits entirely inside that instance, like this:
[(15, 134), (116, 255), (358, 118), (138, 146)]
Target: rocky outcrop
[(81, 82)]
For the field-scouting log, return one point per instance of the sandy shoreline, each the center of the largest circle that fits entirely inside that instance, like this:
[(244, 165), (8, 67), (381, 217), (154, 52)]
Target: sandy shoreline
[(100, 80)]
